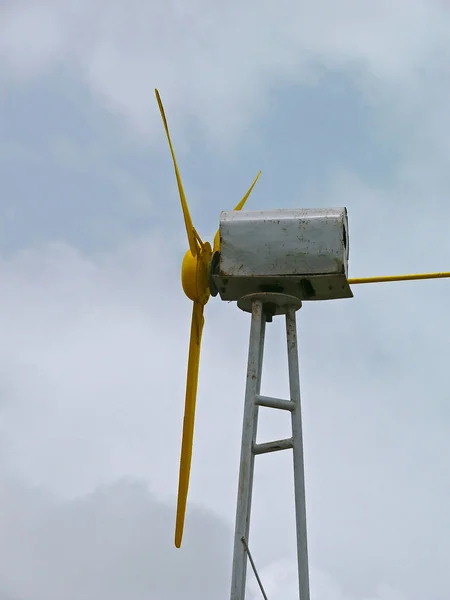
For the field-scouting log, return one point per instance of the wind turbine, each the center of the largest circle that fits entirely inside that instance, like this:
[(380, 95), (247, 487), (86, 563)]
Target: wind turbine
[(269, 262)]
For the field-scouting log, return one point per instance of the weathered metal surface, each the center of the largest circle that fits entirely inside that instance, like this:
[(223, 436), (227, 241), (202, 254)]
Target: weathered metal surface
[(269, 402), (299, 469), (300, 252), (276, 446), (249, 448), (273, 304), (246, 468)]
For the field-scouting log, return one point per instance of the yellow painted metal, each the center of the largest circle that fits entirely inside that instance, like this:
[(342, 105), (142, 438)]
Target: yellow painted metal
[(194, 279), (388, 278), (194, 274), (238, 206), (189, 417), (192, 235)]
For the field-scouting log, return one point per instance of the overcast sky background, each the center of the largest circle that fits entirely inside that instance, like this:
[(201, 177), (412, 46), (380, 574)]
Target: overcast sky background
[(339, 104)]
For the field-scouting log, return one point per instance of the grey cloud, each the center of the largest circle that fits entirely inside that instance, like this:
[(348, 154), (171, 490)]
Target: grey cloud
[(113, 543), (116, 543), (280, 579)]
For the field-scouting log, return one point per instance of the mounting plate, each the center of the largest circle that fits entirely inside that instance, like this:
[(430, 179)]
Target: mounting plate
[(273, 304)]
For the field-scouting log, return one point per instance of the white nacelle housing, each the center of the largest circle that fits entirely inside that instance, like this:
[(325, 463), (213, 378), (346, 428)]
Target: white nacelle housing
[(300, 252)]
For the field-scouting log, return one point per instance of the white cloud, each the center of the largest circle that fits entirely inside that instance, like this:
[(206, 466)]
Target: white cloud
[(219, 63), (32, 38), (64, 385)]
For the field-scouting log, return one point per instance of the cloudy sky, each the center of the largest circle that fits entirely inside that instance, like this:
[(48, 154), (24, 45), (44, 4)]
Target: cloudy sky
[(339, 104)]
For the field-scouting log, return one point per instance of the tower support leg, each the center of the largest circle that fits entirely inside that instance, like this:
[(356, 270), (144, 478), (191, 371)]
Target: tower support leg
[(299, 470), (249, 429)]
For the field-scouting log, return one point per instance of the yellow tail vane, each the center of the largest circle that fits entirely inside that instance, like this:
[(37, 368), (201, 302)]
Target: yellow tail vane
[(189, 416), (388, 278), (191, 233), (238, 206)]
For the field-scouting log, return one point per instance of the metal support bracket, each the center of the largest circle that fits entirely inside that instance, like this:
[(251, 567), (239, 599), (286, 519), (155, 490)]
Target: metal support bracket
[(263, 308)]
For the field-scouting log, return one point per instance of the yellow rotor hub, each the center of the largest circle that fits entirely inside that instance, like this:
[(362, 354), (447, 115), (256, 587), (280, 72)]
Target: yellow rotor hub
[(195, 274)]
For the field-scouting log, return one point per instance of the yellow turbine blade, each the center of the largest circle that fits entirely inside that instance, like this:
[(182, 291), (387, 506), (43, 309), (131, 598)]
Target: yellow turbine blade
[(387, 278), (191, 233), (238, 206), (189, 416)]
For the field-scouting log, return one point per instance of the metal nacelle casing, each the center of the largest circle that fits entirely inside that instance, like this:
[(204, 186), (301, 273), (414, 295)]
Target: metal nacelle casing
[(300, 252)]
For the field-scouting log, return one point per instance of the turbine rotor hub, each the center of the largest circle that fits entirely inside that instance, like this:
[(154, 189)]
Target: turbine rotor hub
[(195, 274)]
